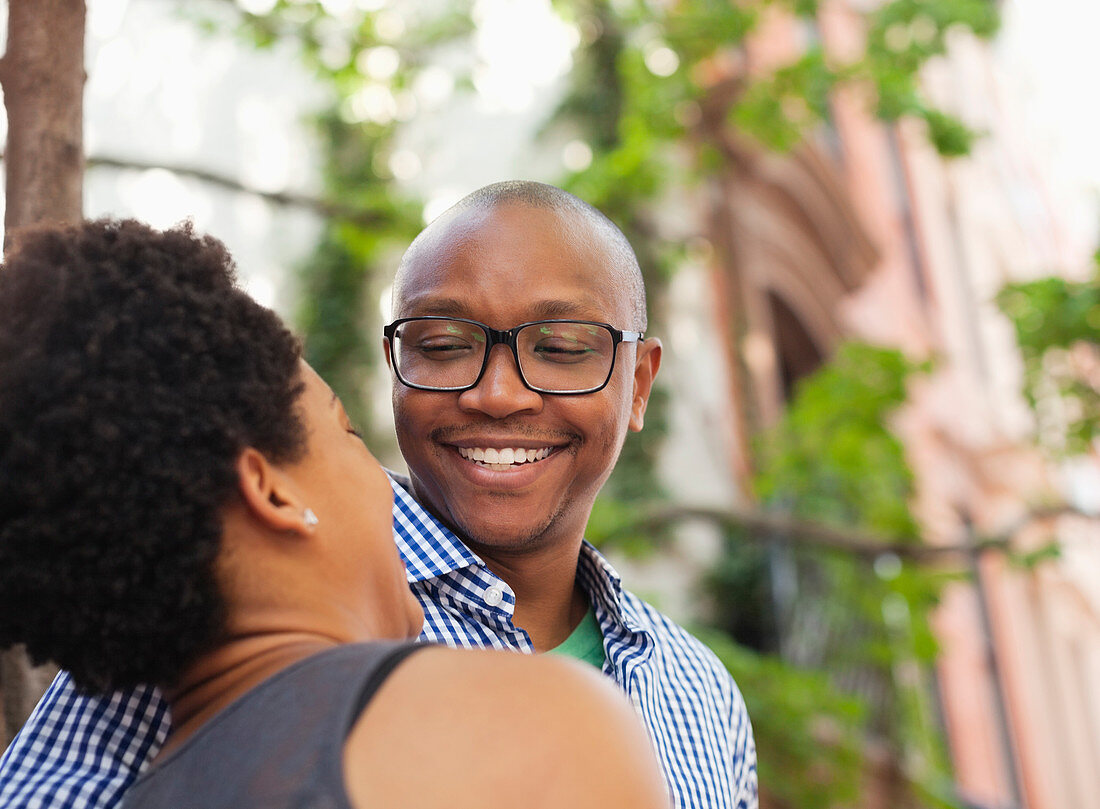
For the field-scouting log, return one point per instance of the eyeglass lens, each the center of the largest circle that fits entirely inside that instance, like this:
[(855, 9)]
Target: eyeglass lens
[(553, 356)]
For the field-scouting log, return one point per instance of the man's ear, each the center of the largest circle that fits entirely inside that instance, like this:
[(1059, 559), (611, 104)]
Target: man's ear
[(645, 369), (268, 494), (386, 353)]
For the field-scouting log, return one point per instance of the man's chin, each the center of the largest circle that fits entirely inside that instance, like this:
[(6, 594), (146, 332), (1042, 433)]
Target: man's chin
[(503, 537), (500, 522), (516, 530)]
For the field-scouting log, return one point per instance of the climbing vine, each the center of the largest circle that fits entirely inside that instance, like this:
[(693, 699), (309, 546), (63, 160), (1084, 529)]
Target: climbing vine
[(1057, 325)]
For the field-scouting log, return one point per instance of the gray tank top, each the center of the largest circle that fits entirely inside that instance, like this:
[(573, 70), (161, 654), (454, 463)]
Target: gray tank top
[(281, 744)]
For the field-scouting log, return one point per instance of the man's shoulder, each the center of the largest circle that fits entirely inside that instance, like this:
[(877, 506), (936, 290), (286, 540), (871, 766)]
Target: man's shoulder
[(665, 629), (678, 646), (707, 704), (79, 750)]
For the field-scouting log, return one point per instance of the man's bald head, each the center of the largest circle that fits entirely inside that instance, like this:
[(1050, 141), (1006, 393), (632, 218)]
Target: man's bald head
[(576, 216)]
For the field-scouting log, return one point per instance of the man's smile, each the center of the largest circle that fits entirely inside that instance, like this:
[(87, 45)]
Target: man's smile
[(506, 458)]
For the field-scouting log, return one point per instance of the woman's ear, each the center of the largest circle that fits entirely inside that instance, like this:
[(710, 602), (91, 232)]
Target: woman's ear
[(269, 495)]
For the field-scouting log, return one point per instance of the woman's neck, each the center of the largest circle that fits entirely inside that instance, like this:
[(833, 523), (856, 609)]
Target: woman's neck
[(235, 667)]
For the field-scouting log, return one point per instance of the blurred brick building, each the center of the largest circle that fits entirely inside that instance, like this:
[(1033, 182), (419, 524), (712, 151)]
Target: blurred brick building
[(866, 233)]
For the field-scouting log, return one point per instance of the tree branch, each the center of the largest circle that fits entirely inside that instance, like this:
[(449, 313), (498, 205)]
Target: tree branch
[(324, 208), (768, 527)]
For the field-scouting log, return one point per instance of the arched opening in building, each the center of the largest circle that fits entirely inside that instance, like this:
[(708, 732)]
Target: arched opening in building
[(797, 354)]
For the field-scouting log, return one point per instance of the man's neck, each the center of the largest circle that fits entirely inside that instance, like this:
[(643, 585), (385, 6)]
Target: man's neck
[(549, 601)]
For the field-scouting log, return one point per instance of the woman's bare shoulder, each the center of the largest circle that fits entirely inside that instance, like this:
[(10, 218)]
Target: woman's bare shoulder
[(481, 728)]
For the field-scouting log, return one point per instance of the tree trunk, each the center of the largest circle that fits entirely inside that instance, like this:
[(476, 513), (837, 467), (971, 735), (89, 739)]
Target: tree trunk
[(43, 77), (42, 73)]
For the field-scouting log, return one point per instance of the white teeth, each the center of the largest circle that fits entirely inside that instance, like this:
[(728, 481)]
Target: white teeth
[(501, 459)]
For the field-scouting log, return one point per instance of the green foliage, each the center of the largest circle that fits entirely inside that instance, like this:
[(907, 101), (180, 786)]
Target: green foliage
[(341, 281), (904, 34), (614, 523), (336, 344), (1029, 560), (950, 136), (740, 584), (778, 110), (1057, 324), (808, 740), (833, 459)]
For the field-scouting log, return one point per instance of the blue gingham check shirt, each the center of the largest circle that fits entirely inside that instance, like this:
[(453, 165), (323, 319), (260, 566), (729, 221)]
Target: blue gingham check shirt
[(82, 752)]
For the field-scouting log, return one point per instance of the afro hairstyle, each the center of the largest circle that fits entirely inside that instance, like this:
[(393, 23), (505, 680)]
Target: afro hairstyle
[(133, 371)]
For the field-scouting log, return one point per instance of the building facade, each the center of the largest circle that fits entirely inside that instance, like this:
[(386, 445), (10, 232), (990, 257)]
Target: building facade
[(865, 233)]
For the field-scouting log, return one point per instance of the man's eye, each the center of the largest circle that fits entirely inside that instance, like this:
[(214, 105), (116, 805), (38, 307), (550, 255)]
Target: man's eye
[(562, 350), (443, 346)]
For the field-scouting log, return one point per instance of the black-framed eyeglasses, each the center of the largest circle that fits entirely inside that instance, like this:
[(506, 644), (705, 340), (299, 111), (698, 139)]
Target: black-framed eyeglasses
[(553, 356)]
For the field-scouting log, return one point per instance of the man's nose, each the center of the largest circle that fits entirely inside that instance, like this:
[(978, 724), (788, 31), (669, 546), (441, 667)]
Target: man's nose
[(501, 392)]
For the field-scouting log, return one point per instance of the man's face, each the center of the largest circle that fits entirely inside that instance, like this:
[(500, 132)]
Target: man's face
[(505, 266)]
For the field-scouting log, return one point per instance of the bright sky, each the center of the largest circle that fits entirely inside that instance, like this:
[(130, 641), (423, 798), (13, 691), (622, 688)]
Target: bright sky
[(1049, 46)]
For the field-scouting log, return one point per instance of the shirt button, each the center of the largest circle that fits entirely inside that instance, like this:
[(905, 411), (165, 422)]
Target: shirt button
[(493, 596)]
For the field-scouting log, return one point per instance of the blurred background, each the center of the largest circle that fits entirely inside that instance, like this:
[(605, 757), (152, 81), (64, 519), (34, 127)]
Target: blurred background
[(870, 477)]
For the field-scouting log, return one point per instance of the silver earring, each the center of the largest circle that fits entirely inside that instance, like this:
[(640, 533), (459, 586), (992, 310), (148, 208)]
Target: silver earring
[(310, 518)]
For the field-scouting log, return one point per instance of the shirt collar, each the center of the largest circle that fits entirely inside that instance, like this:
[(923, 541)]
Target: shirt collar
[(605, 589), (428, 548), (599, 579), (431, 550)]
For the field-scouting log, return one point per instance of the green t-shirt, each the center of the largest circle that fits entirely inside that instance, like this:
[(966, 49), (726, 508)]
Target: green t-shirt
[(586, 642)]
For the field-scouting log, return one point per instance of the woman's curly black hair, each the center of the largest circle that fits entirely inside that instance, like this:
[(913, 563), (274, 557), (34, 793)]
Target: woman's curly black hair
[(133, 370)]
